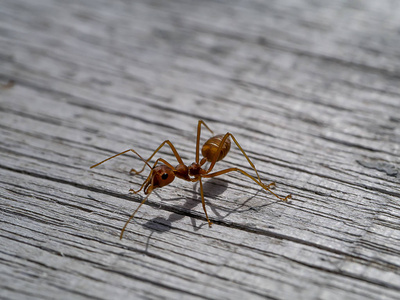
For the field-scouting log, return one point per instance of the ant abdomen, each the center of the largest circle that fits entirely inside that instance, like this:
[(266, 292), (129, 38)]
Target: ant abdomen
[(210, 148)]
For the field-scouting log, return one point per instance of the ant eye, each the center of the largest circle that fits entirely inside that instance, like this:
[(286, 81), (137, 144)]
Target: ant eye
[(164, 176)]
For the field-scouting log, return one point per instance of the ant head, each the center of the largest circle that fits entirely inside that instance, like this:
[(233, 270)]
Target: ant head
[(160, 176)]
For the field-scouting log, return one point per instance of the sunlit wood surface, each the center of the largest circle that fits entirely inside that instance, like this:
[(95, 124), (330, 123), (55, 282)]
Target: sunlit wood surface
[(310, 89)]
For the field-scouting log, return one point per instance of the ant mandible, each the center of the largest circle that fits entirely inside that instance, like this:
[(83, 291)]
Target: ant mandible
[(163, 173)]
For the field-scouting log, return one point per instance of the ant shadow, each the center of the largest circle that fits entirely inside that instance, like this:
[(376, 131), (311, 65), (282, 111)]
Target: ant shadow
[(160, 224), (240, 208), (213, 187)]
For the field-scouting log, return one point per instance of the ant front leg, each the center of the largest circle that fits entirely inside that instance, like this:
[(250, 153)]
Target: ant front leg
[(177, 156), (136, 210), (148, 179), (123, 152)]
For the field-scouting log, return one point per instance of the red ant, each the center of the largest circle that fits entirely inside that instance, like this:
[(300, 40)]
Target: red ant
[(163, 173)]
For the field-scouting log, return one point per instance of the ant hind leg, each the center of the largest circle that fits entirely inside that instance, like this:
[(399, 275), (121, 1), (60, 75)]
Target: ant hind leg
[(264, 186), (201, 122)]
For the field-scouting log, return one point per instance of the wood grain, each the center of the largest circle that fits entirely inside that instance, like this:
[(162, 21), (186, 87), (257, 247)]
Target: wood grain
[(309, 89)]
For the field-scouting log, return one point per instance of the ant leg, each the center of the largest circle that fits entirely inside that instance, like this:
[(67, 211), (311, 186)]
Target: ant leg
[(201, 122), (177, 156), (151, 173), (264, 186), (144, 183), (203, 202), (132, 215), (227, 135), (123, 152), (244, 153)]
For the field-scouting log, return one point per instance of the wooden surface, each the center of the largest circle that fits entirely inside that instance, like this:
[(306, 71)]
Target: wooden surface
[(309, 88)]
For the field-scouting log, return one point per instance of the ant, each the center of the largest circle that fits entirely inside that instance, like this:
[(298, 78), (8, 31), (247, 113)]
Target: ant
[(163, 173)]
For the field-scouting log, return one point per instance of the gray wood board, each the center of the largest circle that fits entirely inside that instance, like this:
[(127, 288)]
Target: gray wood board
[(310, 89)]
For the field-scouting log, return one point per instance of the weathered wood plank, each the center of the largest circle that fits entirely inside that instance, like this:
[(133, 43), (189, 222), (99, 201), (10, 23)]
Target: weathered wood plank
[(310, 90)]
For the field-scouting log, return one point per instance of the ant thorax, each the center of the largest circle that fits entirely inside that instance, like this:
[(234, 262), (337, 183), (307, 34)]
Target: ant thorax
[(196, 170)]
